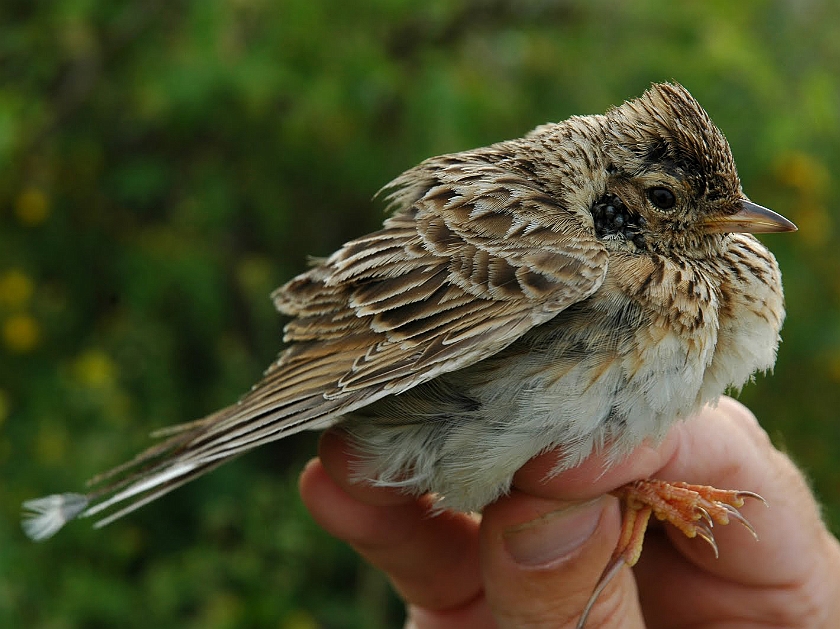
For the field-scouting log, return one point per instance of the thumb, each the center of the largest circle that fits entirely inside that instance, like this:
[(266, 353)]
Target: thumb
[(542, 558)]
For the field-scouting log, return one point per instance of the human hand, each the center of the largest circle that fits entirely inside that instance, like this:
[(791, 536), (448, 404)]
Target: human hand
[(534, 556)]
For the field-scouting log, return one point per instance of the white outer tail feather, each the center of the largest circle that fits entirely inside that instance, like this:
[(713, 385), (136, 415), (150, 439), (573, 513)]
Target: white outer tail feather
[(44, 517)]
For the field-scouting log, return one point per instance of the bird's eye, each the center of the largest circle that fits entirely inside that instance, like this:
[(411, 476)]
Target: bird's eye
[(662, 198)]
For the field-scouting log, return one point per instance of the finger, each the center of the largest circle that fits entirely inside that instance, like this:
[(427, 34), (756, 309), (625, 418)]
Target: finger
[(340, 461), (596, 475), (725, 447), (431, 559), (775, 580), (542, 558), (473, 615)]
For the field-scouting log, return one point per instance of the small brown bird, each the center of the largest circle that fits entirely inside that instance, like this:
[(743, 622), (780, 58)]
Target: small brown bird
[(581, 288)]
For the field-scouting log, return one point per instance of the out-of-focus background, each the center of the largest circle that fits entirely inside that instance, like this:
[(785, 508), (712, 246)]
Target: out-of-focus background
[(165, 164)]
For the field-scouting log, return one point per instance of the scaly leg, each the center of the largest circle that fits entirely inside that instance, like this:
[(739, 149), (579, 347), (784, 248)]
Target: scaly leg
[(693, 509)]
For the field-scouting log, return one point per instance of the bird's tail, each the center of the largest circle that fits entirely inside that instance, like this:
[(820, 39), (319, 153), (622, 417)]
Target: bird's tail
[(290, 398), (152, 473)]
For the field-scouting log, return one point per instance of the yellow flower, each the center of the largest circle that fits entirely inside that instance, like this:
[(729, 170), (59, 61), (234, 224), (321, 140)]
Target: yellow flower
[(21, 333), (94, 369), (15, 288), (32, 206), (803, 172), (814, 222)]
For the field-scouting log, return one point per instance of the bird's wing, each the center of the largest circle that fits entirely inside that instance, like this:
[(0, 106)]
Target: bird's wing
[(473, 257)]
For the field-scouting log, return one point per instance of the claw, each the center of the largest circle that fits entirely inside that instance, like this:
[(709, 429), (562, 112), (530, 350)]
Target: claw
[(750, 494), (702, 513), (705, 533), (736, 515)]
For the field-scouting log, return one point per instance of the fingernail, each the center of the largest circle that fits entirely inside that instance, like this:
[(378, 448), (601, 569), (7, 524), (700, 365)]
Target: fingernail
[(554, 535)]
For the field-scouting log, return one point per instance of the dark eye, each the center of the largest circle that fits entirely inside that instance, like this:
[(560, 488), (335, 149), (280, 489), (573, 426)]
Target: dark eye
[(662, 198)]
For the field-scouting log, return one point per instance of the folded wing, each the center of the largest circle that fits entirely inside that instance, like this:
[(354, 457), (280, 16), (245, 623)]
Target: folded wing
[(473, 257)]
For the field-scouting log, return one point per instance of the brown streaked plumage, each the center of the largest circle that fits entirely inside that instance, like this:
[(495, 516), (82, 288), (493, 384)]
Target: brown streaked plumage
[(584, 286)]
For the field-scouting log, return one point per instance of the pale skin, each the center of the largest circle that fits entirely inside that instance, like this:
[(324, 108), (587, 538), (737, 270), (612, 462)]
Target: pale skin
[(534, 556)]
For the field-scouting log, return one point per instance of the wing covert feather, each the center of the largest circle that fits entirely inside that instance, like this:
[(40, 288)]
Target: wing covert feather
[(467, 264)]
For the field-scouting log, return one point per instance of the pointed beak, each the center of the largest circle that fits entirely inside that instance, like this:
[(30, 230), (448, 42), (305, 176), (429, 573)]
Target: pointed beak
[(750, 219)]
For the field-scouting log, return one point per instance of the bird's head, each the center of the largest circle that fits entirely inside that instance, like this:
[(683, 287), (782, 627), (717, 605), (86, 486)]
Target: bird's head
[(671, 177)]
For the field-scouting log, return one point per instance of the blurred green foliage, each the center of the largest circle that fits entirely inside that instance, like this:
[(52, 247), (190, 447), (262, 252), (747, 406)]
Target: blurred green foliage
[(165, 164)]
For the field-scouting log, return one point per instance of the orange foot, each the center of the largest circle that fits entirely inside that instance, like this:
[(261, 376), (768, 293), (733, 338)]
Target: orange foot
[(693, 509)]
